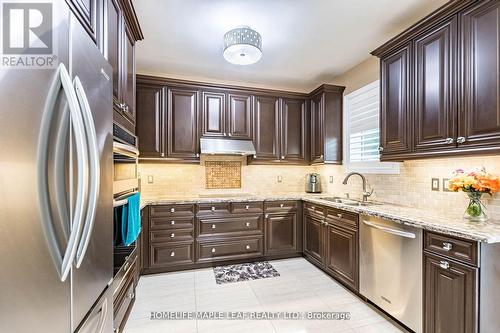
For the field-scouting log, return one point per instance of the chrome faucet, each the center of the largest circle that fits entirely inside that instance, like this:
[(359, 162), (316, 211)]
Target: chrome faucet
[(366, 194)]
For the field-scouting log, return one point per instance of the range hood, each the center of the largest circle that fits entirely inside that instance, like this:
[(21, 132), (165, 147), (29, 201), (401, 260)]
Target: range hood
[(226, 147)]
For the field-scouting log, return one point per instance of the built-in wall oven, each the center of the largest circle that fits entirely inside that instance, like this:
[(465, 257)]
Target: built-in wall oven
[(125, 183)]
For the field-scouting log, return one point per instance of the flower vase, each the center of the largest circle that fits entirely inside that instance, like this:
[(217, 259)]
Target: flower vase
[(476, 210)]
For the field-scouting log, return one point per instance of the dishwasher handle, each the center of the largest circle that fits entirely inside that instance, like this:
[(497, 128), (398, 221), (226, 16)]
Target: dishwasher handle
[(396, 232)]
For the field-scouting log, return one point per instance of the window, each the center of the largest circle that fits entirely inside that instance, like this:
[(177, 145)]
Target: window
[(362, 132)]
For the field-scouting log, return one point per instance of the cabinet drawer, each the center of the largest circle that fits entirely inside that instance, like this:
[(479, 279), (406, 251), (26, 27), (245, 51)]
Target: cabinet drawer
[(214, 208), (233, 248), (172, 210), (314, 209), (173, 222), (281, 205), (342, 218), (169, 236), (455, 248), (247, 207), (237, 224), (164, 255)]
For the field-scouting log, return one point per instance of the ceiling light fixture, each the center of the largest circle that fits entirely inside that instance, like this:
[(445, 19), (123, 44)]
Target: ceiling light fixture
[(242, 46)]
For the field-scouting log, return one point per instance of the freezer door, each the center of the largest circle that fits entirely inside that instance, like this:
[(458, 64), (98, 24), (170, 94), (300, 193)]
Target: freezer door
[(32, 297), (100, 317), (93, 268)]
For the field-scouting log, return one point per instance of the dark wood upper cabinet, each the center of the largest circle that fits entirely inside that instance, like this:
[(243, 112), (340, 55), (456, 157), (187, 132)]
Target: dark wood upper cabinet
[(114, 31), (395, 113), (239, 119), (182, 123), (342, 255), (129, 77), (214, 114), (151, 105), (122, 31), (440, 83), (293, 138), (479, 124), (317, 135), (282, 232), (326, 124), (435, 107), (89, 13), (266, 128), (313, 239), (450, 296)]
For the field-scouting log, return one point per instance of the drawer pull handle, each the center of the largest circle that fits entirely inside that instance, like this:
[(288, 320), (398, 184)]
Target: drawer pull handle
[(247, 224), (447, 246), (213, 209), (267, 216), (172, 222), (172, 254), (247, 207), (339, 215), (444, 264), (172, 235), (281, 205), (247, 247), (130, 295), (213, 250), (172, 210), (213, 226)]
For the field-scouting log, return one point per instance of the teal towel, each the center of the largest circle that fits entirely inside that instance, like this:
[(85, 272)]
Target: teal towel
[(131, 219)]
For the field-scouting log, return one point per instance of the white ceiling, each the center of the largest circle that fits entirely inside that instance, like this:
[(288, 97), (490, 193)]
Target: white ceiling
[(305, 42)]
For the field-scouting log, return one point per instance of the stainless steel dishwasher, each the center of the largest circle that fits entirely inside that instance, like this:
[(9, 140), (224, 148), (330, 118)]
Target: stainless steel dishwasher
[(391, 268)]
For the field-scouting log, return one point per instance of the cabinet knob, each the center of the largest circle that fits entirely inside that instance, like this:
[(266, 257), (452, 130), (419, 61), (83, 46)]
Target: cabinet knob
[(229, 134), (247, 224), (197, 154), (340, 215), (380, 149), (213, 209), (172, 210), (282, 157), (225, 134), (321, 156), (162, 154), (172, 235), (247, 247), (131, 295), (460, 139), (281, 205), (254, 156), (447, 246), (172, 222), (213, 226), (449, 141), (213, 250), (267, 216), (247, 207), (444, 264), (172, 254)]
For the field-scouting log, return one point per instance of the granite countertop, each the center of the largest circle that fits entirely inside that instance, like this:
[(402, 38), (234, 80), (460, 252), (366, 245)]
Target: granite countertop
[(453, 225)]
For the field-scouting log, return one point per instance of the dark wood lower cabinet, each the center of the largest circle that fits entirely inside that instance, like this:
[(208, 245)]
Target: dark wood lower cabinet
[(342, 255), (283, 233), (313, 238), (450, 296)]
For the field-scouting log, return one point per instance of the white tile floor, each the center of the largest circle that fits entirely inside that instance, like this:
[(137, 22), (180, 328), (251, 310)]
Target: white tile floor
[(301, 287)]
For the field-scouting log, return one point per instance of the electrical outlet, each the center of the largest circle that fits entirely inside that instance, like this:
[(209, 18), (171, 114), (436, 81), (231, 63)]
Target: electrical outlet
[(330, 179), (150, 179), (280, 179), (435, 184), (446, 181)]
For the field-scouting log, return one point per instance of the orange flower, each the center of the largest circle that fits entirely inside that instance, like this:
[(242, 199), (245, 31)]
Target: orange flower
[(477, 180)]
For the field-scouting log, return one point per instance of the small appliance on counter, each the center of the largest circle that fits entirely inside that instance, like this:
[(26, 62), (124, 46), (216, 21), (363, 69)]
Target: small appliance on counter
[(313, 183)]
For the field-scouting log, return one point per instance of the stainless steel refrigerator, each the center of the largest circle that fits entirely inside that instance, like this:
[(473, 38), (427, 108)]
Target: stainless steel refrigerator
[(56, 189)]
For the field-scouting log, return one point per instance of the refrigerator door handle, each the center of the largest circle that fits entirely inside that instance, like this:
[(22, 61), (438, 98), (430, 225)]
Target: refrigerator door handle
[(62, 262), (95, 168)]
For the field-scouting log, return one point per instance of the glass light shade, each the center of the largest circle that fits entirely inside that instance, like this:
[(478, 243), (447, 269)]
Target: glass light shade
[(242, 46)]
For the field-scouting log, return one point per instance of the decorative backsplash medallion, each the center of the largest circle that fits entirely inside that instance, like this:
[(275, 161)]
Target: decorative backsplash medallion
[(222, 174)]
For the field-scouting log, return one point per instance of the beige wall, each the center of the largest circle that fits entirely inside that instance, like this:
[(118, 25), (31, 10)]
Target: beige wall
[(358, 76)]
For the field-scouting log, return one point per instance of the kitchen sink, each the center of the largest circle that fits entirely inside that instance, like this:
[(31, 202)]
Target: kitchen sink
[(350, 202)]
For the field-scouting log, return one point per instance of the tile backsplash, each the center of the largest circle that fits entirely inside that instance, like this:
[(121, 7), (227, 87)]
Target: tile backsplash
[(411, 187)]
